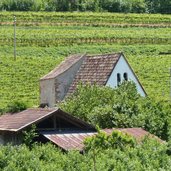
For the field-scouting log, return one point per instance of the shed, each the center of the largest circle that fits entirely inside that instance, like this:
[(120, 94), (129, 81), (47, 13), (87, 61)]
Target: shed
[(45, 119), (56, 126)]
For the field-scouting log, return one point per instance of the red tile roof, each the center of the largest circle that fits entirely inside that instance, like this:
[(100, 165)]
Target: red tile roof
[(74, 140), (18, 121), (95, 69)]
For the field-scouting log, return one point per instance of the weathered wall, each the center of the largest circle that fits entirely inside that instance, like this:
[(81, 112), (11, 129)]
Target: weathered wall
[(47, 92), (12, 138), (64, 80), (121, 68), (54, 89)]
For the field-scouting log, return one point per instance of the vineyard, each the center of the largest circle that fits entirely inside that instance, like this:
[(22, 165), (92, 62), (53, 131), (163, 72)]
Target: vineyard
[(44, 39), (75, 18)]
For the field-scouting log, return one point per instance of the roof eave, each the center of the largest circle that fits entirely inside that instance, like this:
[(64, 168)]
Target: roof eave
[(30, 123), (135, 74), (48, 77)]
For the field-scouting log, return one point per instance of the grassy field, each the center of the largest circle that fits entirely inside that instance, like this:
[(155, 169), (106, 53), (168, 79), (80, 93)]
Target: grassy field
[(45, 39)]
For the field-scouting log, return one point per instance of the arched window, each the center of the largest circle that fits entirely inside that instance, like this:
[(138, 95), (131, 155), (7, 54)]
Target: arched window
[(118, 79), (125, 75)]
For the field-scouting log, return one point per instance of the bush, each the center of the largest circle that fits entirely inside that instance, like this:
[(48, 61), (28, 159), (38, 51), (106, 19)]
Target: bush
[(16, 106), (122, 107)]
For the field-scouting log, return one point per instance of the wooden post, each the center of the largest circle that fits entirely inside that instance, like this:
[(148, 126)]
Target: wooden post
[(54, 122), (14, 37)]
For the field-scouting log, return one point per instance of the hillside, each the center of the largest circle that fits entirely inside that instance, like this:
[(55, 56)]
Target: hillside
[(45, 39)]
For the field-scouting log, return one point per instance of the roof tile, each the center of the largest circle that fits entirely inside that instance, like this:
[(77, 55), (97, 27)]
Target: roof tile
[(95, 70)]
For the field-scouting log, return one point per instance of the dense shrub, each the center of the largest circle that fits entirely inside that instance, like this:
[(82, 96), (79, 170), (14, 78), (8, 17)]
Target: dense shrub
[(149, 155), (103, 141), (121, 107), (16, 106)]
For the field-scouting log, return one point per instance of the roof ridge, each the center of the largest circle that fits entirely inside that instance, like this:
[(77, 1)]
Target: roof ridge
[(95, 55), (67, 63)]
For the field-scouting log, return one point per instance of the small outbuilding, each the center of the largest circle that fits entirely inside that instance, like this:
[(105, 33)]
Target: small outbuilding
[(104, 70), (45, 119), (56, 126)]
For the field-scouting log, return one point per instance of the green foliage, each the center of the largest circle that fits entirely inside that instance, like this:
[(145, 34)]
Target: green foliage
[(40, 40), (86, 19), (62, 35), (123, 145), (121, 107), (20, 78), (29, 135), (53, 36), (146, 156), (159, 6), (16, 106), (103, 141), (137, 6)]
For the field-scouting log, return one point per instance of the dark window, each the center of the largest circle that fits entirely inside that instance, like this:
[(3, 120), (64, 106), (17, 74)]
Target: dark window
[(56, 123), (125, 75), (46, 124), (118, 79), (63, 124)]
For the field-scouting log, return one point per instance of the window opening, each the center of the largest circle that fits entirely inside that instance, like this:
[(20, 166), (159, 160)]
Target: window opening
[(118, 79), (125, 75)]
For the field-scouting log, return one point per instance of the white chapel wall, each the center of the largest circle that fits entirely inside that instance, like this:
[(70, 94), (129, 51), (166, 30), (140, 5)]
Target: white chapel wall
[(122, 67)]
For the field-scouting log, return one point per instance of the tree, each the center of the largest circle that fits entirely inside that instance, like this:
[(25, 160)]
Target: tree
[(122, 107), (102, 141)]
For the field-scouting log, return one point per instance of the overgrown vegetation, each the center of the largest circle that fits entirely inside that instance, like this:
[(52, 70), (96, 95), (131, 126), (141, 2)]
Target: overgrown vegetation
[(146, 156), (29, 136), (102, 141), (16, 106), (119, 108), (127, 6)]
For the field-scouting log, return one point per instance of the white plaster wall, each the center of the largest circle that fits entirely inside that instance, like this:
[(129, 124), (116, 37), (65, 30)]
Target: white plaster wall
[(121, 68)]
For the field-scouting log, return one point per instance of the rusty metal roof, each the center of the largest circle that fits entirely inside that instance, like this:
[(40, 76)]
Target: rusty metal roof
[(18, 121), (95, 69), (74, 140), (65, 65)]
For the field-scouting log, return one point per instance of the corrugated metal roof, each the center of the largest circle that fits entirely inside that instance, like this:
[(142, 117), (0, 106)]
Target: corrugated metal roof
[(95, 69), (74, 140)]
